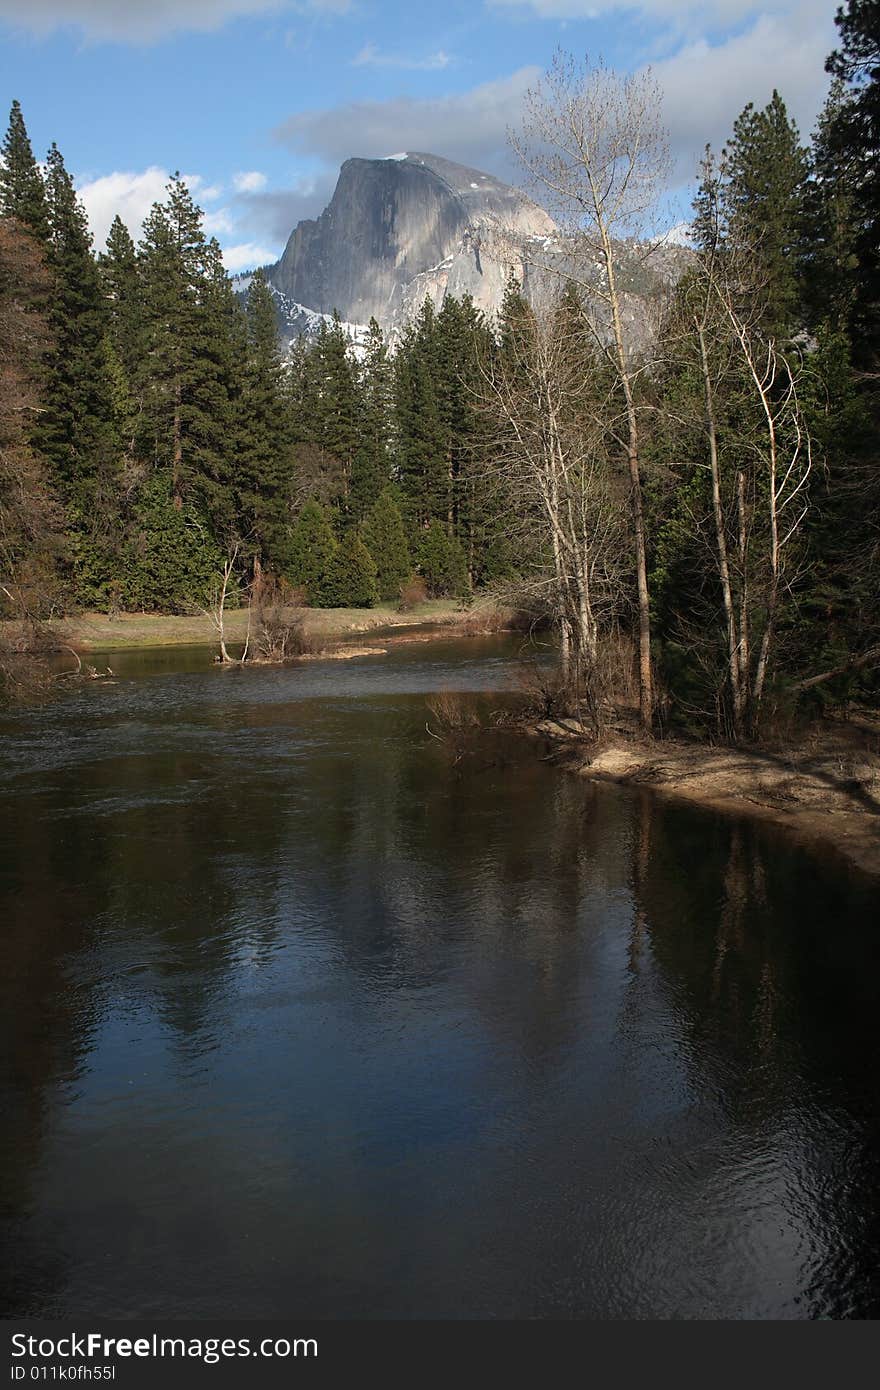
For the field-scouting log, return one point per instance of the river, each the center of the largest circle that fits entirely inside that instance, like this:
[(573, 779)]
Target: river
[(304, 1012)]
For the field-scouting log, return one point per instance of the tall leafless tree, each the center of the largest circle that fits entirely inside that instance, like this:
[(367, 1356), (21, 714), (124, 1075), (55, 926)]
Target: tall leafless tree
[(548, 443), (595, 153), (225, 585), (757, 450)]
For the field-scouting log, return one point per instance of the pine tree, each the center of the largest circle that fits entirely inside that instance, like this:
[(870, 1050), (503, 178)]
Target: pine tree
[(422, 464), (76, 429), (124, 336), (708, 224), (191, 326), (22, 194), (385, 538), (337, 409), (31, 519), (765, 172), (221, 355), (188, 380), (856, 136), (371, 467), (171, 559), (441, 562), (465, 347), (75, 415), (457, 328), (299, 391), (838, 611), (312, 547), (118, 269), (263, 473), (351, 580)]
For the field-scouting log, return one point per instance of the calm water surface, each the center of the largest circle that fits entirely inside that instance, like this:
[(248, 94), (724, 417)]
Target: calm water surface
[(302, 1013)]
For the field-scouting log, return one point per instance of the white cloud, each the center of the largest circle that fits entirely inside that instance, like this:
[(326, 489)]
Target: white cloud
[(272, 214), (130, 195), (218, 223), (710, 13), (468, 126), (707, 85), (247, 256), (371, 56), (143, 20), (250, 181), (706, 82)]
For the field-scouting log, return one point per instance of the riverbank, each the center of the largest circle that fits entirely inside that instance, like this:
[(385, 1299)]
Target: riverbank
[(100, 632), (825, 789)]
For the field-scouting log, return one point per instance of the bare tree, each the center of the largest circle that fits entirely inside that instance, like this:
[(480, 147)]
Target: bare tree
[(595, 152), (549, 445), (275, 629), (279, 625), (760, 471), (226, 584)]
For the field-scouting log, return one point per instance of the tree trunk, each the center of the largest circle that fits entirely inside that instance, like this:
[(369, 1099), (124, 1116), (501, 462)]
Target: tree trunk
[(733, 662), (646, 681), (177, 451)]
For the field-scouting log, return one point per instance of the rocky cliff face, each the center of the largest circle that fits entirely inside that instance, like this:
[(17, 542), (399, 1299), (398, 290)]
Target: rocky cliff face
[(399, 229), (412, 226)]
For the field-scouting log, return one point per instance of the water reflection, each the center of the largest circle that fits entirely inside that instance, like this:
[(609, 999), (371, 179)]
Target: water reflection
[(303, 1011)]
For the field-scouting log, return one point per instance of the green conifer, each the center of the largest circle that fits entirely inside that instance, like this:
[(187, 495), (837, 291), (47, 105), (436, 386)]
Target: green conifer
[(371, 467), (385, 538), (312, 547), (171, 560), (75, 429), (193, 334), (856, 139), (422, 462), (766, 169), (120, 282), (336, 404), (441, 562), (351, 582), (263, 466), (22, 193)]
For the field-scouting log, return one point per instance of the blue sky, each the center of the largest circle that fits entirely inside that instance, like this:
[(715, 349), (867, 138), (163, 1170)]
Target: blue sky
[(259, 101)]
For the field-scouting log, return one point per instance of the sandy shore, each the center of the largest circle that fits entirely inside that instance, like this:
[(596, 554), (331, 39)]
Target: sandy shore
[(825, 790)]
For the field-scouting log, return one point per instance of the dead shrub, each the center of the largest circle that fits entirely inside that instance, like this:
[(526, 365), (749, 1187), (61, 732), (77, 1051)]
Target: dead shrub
[(488, 620), (591, 696), (279, 629), (546, 693), (618, 663), (451, 711), (30, 656), (412, 593), (281, 638)]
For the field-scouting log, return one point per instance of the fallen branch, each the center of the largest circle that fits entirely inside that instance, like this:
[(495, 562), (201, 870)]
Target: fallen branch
[(855, 663), (78, 672)]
